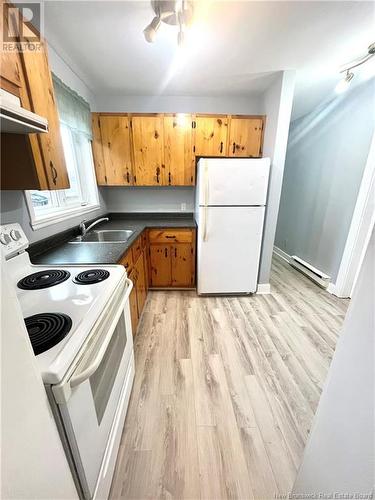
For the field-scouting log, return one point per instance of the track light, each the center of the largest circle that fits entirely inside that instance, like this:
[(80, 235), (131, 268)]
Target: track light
[(344, 84), (150, 31), (173, 12)]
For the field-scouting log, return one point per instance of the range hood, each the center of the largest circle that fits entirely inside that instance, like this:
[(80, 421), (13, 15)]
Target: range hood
[(14, 119)]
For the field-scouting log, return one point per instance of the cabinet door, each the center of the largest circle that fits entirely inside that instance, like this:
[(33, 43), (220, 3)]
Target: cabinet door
[(178, 150), (9, 60), (182, 256), (133, 302), (148, 150), (42, 101), (245, 137), (115, 134), (97, 150), (211, 135), (141, 284), (160, 265)]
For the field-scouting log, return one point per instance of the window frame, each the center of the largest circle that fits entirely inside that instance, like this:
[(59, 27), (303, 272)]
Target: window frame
[(39, 221)]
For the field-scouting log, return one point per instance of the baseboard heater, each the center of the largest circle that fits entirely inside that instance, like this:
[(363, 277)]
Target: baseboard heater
[(310, 271)]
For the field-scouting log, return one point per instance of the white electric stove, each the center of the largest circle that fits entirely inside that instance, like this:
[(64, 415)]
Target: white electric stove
[(78, 321)]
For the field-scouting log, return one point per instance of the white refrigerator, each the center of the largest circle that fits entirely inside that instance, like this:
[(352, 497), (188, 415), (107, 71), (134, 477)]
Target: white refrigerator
[(230, 205)]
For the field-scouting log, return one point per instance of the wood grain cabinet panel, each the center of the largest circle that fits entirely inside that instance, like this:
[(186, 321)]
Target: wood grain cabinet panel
[(97, 150), (148, 148), (115, 135), (170, 235), (245, 137), (211, 134), (178, 150), (9, 60), (160, 265), (183, 260), (136, 264), (172, 261), (42, 99)]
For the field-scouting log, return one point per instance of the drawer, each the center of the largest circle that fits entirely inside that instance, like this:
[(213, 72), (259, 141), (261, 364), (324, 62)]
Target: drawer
[(137, 248), (171, 235), (127, 261)]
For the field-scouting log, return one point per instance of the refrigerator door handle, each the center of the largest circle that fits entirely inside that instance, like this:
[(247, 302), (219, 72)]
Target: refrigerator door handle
[(205, 223)]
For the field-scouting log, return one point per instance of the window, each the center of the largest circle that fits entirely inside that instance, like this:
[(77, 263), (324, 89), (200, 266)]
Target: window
[(46, 207)]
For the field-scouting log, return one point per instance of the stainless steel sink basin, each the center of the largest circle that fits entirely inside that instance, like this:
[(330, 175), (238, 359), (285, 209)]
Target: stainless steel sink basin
[(104, 236)]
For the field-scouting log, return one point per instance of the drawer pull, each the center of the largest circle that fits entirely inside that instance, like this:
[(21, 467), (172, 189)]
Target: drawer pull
[(171, 237)]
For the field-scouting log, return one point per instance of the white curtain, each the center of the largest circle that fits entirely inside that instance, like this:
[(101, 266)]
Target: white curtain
[(74, 111)]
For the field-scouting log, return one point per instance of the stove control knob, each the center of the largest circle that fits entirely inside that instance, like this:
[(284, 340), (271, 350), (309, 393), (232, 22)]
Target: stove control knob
[(15, 235), (5, 239)]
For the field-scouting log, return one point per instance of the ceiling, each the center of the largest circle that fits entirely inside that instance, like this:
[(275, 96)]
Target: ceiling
[(233, 48)]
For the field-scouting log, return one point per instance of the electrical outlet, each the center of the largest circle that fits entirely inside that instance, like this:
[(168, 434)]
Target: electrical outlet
[(183, 207)]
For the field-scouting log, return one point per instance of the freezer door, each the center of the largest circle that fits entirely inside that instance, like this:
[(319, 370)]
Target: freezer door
[(229, 243), (232, 181)]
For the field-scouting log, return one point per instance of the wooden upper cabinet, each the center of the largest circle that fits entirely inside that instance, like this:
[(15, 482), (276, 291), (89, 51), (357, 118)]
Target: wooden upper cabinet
[(211, 134), (9, 60), (115, 134), (97, 150), (42, 158), (178, 150), (148, 147), (42, 99), (245, 137)]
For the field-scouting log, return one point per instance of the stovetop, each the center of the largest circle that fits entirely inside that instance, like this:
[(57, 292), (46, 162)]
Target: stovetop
[(72, 297)]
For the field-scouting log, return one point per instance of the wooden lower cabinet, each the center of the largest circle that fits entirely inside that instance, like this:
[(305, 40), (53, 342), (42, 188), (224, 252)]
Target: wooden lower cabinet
[(135, 263), (172, 264)]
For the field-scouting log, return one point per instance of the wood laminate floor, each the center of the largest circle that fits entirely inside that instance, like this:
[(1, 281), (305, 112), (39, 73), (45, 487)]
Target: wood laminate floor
[(225, 391)]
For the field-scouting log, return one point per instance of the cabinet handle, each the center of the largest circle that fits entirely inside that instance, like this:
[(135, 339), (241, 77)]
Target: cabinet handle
[(157, 174), (169, 178), (171, 237), (127, 177), (166, 252), (221, 147), (54, 173), (175, 251), (234, 148)]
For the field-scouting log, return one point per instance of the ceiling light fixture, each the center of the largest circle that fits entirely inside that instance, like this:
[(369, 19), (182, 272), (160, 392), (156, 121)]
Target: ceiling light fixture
[(344, 84), (173, 12)]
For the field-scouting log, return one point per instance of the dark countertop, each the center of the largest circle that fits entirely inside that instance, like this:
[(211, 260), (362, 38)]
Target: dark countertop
[(57, 250)]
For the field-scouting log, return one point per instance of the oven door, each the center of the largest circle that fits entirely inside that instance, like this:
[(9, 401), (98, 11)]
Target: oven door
[(90, 394)]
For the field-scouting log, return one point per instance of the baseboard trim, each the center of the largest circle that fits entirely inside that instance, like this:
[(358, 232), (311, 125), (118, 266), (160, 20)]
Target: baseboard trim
[(331, 288), (280, 253), (263, 289)]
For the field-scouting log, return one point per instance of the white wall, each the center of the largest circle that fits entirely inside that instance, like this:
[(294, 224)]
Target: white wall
[(326, 156), (13, 203), (179, 104), (277, 105), (148, 199), (33, 461), (69, 77), (339, 456)]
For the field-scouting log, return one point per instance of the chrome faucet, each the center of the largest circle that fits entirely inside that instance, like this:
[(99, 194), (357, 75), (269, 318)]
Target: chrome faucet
[(84, 230)]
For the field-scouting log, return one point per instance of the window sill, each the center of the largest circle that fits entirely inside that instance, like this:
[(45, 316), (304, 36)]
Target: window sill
[(61, 216)]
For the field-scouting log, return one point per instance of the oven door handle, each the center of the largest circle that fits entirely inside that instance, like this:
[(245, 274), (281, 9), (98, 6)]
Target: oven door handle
[(87, 372)]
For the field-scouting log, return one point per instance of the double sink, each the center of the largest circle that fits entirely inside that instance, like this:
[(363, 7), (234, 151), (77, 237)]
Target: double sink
[(104, 236)]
